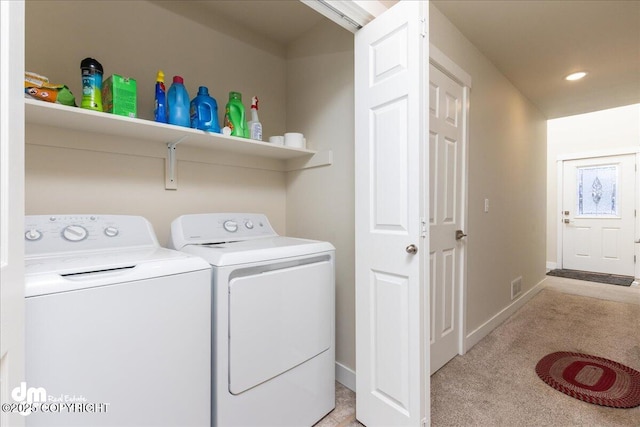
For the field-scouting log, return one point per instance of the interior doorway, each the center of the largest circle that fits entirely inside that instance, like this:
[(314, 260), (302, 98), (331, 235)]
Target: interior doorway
[(448, 118)]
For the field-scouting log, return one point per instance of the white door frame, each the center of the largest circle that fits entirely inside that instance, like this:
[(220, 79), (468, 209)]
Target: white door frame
[(12, 23), (442, 62), (560, 188)]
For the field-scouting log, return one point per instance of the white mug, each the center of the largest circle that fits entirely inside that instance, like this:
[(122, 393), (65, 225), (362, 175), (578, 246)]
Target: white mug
[(294, 139), (278, 139)]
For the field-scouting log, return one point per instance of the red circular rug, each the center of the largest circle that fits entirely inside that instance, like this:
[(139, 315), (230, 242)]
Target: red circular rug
[(592, 379)]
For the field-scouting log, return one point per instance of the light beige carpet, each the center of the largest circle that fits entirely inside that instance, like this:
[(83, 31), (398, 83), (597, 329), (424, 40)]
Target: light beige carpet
[(495, 383)]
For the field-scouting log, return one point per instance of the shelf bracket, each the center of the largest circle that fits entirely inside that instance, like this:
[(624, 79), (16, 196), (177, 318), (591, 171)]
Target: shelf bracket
[(321, 158), (171, 165)]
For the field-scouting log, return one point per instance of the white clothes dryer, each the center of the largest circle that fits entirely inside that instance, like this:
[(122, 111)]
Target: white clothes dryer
[(118, 329), (273, 319)]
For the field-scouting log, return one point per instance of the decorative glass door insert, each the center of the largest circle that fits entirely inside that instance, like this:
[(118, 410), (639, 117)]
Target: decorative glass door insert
[(597, 191)]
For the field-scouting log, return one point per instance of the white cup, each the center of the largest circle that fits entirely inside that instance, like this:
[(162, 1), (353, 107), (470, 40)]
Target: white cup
[(294, 139), (278, 139)]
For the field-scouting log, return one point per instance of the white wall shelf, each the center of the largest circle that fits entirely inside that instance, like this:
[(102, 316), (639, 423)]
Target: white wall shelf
[(82, 120)]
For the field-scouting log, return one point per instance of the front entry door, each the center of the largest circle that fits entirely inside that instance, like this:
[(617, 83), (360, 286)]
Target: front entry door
[(446, 207), (598, 214)]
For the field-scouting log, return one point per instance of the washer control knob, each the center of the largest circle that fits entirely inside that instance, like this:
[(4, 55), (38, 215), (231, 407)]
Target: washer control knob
[(230, 226), (75, 233), (111, 231), (33, 235), (248, 224)]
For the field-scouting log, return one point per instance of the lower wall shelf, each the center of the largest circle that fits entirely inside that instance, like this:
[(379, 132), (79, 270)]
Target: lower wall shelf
[(231, 150)]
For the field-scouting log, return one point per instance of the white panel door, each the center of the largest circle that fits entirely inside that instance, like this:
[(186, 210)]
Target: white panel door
[(390, 125), (446, 207), (598, 214), (11, 204)]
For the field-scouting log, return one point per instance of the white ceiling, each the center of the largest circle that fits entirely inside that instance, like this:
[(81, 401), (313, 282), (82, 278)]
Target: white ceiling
[(535, 43)]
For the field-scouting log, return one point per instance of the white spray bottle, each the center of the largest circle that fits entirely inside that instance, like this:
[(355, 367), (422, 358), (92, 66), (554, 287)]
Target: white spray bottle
[(255, 127)]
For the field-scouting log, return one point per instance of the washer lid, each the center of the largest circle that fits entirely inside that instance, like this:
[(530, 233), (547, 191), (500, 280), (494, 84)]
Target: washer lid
[(257, 250), (70, 272)]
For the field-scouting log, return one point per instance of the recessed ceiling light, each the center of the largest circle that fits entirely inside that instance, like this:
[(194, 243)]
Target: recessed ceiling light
[(576, 76)]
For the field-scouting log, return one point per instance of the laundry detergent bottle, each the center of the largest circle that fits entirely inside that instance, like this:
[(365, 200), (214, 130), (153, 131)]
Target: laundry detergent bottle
[(91, 84), (234, 116), (160, 110), (178, 103), (204, 111)]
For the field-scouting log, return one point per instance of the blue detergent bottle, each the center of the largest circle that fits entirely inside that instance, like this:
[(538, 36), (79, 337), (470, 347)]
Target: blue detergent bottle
[(204, 111), (178, 103)]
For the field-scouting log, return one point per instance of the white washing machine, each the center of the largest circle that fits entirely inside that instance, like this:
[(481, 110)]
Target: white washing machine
[(273, 319), (118, 329)]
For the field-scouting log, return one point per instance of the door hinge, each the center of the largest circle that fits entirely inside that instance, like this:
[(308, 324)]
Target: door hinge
[(634, 259), (423, 27), (423, 228)]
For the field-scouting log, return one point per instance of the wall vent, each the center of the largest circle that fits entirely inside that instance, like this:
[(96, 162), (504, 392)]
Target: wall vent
[(516, 287)]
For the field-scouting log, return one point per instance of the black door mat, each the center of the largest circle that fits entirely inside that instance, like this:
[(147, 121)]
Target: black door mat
[(609, 279)]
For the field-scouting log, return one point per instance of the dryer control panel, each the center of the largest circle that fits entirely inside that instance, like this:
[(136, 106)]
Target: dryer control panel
[(45, 234), (211, 228)]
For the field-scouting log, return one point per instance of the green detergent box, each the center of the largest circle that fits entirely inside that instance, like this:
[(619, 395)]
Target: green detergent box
[(119, 96)]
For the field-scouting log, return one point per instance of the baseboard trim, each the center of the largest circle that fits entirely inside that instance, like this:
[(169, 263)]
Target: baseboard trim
[(346, 376), (475, 336), (551, 265)]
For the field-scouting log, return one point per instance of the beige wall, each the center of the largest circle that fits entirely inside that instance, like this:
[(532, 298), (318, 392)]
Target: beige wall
[(507, 164), (60, 180), (585, 133), (320, 201)]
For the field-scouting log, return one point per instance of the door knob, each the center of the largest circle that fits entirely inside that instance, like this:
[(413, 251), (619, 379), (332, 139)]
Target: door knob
[(460, 234), (412, 249)]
